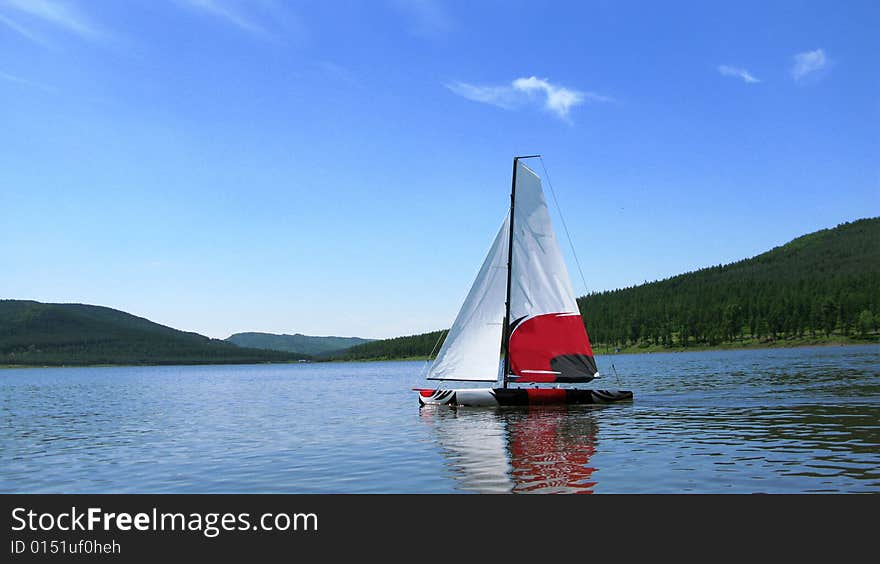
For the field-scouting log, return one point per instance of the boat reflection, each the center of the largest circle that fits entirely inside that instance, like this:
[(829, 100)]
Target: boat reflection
[(518, 450)]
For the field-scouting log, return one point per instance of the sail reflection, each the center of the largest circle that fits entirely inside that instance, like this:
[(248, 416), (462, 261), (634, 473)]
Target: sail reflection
[(517, 450)]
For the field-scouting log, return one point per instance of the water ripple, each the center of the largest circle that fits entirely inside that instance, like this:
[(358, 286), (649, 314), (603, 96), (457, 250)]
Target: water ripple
[(787, 421)]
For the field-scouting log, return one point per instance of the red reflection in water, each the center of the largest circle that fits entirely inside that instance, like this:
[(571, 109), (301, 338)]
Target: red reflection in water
[(521, 450), (549, 456)]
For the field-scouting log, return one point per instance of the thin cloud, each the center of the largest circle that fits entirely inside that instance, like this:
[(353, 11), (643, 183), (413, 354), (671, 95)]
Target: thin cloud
[(807, 63), (263, 19), (501, 96), (428, 17), (65, 16), (21, 30), (337, 72), (23, 81), (726, 70), (225, 12), (557, 99)]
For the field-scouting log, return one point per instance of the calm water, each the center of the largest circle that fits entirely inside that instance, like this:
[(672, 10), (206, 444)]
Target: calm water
[(797, 420)]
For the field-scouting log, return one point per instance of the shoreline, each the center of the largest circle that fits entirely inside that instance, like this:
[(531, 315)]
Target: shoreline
[(600, 350), (106, 365), (801, 344), (597, 351)]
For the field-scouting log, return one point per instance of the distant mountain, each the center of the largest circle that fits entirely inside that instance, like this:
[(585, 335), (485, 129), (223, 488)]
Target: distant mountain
[(823, 287), (34, 333), (296, 343)]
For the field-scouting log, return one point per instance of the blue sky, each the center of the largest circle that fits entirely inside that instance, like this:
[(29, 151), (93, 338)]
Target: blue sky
[(341, 167)]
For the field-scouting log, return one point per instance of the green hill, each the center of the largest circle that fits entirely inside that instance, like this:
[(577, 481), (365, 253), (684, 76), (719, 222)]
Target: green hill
[(296, 343), (412, 346), (34, 333), (819, 288)]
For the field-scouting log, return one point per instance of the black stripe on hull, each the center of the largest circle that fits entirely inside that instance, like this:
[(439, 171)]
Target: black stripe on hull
[(519, 396), (489, 397)]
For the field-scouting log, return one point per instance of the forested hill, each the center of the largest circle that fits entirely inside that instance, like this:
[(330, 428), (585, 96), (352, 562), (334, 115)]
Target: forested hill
[(411, 346), (821, 287), (34, 333), (296, 343)]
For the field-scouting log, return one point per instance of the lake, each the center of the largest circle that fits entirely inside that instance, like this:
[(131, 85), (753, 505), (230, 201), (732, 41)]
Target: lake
[(774, 421)]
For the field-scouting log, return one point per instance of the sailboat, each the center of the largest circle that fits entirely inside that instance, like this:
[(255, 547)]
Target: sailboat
[(521, 305)]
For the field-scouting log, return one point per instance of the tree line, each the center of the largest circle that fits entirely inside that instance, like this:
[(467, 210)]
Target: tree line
[(819, 285)]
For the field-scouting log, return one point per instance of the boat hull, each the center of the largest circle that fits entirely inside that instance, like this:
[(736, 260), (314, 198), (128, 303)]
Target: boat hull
[(494, 397)]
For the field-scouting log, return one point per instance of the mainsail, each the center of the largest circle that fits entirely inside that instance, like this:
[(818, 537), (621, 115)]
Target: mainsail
[(548, 341), (472, 347)]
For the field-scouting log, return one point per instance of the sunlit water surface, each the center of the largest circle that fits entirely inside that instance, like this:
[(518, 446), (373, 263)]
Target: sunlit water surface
[(778, 421)]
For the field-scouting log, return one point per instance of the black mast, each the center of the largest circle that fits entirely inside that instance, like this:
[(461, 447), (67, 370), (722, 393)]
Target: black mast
[(505, 343)]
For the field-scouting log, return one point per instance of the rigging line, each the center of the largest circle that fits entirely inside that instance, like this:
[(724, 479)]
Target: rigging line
[(570, 243), (616, 375), (564, 226), (428, 360)]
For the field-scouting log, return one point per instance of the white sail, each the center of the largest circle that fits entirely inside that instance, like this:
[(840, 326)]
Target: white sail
[(548, 341), (472, 347), (540, 282)]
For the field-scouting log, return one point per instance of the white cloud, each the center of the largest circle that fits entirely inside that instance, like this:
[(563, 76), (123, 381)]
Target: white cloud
[(523, 91), (63, 15), (726, 70), (807, 63), (558, 99)]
